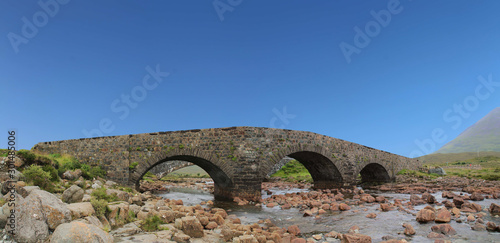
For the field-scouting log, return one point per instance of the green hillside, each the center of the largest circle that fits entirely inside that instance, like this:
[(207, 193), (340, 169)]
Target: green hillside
[(484, 135)]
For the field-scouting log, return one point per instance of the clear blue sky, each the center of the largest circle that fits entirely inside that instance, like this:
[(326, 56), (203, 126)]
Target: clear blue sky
[(232, 68)]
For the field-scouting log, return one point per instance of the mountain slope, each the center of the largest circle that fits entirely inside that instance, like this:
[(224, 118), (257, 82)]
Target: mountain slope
[(484, 135)]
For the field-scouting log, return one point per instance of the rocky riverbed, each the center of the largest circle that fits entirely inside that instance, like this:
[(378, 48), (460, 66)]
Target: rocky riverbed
[(446, 209)]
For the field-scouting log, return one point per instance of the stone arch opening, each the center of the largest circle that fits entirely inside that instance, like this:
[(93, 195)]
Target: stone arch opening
[(374, 172), (222, 182), (323, 172)]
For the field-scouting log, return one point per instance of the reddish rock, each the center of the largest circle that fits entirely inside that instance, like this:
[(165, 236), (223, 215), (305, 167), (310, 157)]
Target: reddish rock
[(445, 229), (356, 238), (211, 225), (416, 200), (271, 205), (448, 204), (344, 207), (380, 199), (494, 209), (371, 215), (443, 216), (479, 227), (384, 207), (298, 240), (458, 201), (428, 198), (490, 226), (294, 230), (434, 235), (409, 230), (307, 213), (426, 215), (471, 207), (476, 196), (455, 211)]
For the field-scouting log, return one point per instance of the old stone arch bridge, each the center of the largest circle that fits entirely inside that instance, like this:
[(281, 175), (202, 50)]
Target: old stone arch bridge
[(237, 158)]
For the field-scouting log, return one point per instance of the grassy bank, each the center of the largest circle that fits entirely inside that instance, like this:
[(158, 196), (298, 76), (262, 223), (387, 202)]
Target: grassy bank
[(490, 164), (293, 171)]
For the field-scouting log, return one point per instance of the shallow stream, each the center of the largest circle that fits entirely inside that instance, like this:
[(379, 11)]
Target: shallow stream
[(385, 224)]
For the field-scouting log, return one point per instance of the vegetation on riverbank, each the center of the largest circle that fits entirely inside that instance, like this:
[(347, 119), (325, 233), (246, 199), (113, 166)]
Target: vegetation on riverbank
[(46, 170), (293, 171)]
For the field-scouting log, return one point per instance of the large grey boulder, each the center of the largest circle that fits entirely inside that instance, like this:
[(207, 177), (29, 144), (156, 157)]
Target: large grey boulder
[(56, 212), (73, 194), (80, 232), (439, 171), (31, 224), (81, 210), (122, 196)]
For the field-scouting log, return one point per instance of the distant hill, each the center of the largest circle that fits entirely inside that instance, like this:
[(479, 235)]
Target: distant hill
[(484, 135), (440, 159)]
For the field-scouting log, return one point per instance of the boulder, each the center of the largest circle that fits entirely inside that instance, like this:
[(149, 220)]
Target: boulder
[(416, 200), (458, 201), (494, 209), (356, 238), (110, 183), (443, 216), (409, 230), (54, 210), (478, 227), (73, 194), (29, 189), (72, 175), (440, 171), (294, 230), (126, 230), (122, 196), (191, 226), (428, 198), (80, 232), (13, 186), (476, 196), (31, 224), (490, 226), (445, 229), (80, 210), (426, 215)]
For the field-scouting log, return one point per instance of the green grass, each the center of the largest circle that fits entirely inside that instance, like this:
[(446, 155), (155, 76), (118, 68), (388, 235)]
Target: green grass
[(489, 162), (293, 171), (100, 194), (418, 174), (151, 223)]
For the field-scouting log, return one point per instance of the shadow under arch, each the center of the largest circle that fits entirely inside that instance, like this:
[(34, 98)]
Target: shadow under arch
[(374, 172), (222, 182), (323, 171)]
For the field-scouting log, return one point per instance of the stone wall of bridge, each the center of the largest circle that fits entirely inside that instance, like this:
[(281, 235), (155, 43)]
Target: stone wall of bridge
[(237, 158)]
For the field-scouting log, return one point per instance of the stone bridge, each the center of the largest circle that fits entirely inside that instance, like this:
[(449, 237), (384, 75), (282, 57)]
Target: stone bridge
[(237, 158)]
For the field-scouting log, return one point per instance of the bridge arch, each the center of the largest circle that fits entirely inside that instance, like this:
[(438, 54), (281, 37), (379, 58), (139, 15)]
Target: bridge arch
[(223, 183), (374, 172), (324, 171)]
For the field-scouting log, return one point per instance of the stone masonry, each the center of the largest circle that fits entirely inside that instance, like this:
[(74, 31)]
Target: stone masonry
[(237, 158)]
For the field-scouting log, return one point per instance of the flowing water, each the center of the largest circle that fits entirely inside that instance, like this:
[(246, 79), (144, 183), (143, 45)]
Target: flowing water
[(385, 224)]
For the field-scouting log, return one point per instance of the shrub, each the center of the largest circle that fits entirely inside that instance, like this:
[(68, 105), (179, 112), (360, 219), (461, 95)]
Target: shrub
[(100, 194), (131, 216), (100, 207), (151, 223), (36, 175), (133, 165), (26, 155), (52, 171)]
